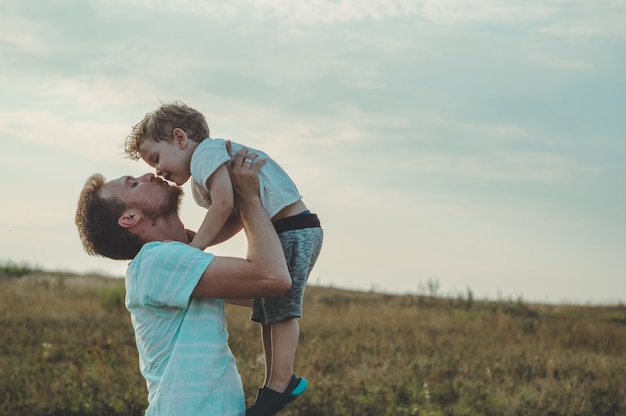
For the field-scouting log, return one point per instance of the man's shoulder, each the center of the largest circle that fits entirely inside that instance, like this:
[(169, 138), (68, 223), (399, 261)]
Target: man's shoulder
[(160, 261), (171, 248), (156, 253), (157, 247)]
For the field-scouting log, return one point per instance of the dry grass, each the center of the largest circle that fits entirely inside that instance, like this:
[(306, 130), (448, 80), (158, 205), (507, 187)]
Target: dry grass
[(68, 349)]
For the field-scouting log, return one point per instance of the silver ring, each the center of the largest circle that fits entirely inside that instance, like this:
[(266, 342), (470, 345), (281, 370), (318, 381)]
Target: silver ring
[(250, 161)]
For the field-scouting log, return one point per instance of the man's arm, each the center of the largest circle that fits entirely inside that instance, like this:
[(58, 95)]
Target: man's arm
[(263, 273), (239, 302)]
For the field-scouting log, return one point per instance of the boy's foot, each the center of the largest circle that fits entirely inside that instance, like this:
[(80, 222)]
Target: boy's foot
[(269, 402)]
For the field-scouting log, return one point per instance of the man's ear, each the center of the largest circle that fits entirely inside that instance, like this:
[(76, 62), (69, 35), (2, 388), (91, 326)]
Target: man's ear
[(180, 138), (129, 218)]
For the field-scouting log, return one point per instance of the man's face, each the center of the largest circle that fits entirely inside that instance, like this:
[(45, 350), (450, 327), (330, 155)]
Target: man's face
[(152, 195)]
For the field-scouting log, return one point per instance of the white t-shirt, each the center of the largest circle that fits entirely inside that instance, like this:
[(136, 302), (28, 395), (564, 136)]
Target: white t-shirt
[(182, 340), (277, 189)]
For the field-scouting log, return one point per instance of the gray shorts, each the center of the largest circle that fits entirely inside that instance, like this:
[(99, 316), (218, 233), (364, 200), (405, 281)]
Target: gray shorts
[(302, 246)]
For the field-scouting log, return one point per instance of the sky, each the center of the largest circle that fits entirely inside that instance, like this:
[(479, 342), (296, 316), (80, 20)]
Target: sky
[(448, 146)]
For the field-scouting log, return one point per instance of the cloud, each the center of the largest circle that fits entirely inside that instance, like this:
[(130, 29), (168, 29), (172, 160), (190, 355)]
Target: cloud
[(541, 168), (314, 12), (551, 16), (460, 12), (571, 64), (598, 19), (601, 18), (21, 35), (98, 94), (94, 140)]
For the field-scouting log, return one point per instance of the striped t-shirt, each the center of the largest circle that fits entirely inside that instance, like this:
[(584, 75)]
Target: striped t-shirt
[(182, 340)]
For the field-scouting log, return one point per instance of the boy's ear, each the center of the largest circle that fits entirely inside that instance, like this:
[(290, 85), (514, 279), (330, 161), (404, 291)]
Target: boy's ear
[(180, 137), (129, 218)]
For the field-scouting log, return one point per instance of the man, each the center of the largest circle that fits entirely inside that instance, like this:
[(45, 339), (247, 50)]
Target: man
[(174, 291)]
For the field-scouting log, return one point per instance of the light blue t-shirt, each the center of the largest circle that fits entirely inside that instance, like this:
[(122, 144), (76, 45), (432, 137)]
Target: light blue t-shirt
[(182, 340), (277, 190)]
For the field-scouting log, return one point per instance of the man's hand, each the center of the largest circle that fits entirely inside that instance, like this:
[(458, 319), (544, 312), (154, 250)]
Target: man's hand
[(244, 174)]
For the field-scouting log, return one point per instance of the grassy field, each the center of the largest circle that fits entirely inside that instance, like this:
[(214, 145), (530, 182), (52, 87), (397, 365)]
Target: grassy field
[(67, 348)]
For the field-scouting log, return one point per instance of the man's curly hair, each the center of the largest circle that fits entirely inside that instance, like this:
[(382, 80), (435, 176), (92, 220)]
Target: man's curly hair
[(160, 124)]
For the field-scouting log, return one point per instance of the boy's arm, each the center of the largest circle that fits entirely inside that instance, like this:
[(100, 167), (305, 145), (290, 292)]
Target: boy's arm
[(231, 227), (263, 273), (219, 212)]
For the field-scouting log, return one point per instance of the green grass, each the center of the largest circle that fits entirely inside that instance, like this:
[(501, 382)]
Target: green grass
[(68, 349), (11, 270)]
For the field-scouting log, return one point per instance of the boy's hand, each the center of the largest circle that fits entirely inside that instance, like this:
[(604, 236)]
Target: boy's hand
[(244, 174), (190, 234)]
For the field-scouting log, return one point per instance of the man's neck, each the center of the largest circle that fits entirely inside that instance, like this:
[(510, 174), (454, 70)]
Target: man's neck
[(165, 229)]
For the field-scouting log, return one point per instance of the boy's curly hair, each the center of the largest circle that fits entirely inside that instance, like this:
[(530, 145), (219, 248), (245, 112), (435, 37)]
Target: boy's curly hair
[(160, 124)]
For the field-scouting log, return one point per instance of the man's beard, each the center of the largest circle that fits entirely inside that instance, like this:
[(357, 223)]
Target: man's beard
[(170, 205)]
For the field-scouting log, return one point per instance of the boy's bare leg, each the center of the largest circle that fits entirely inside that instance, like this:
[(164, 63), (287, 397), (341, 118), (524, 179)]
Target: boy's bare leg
[(284, 342), (266, 336), (283, 386)]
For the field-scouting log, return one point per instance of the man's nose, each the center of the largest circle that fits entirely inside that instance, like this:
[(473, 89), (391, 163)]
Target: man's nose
[(146, 178)]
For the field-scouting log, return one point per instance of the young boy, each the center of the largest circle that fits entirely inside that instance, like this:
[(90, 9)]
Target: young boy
[(174, 139)]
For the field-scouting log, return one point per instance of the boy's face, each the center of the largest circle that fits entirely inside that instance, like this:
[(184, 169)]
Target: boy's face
[(171, 159)]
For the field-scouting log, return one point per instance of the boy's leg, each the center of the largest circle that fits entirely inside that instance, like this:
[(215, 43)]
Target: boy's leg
[(266, 337), (279, 378), (258, 316), (302, 247), (283, 386), (284, 342)]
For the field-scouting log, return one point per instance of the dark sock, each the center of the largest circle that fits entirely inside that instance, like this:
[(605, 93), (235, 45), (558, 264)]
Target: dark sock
[(258, 394)]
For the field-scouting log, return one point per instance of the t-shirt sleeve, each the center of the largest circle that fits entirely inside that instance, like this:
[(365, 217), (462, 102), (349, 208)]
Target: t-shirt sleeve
[(167, 273), (208, 156)]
